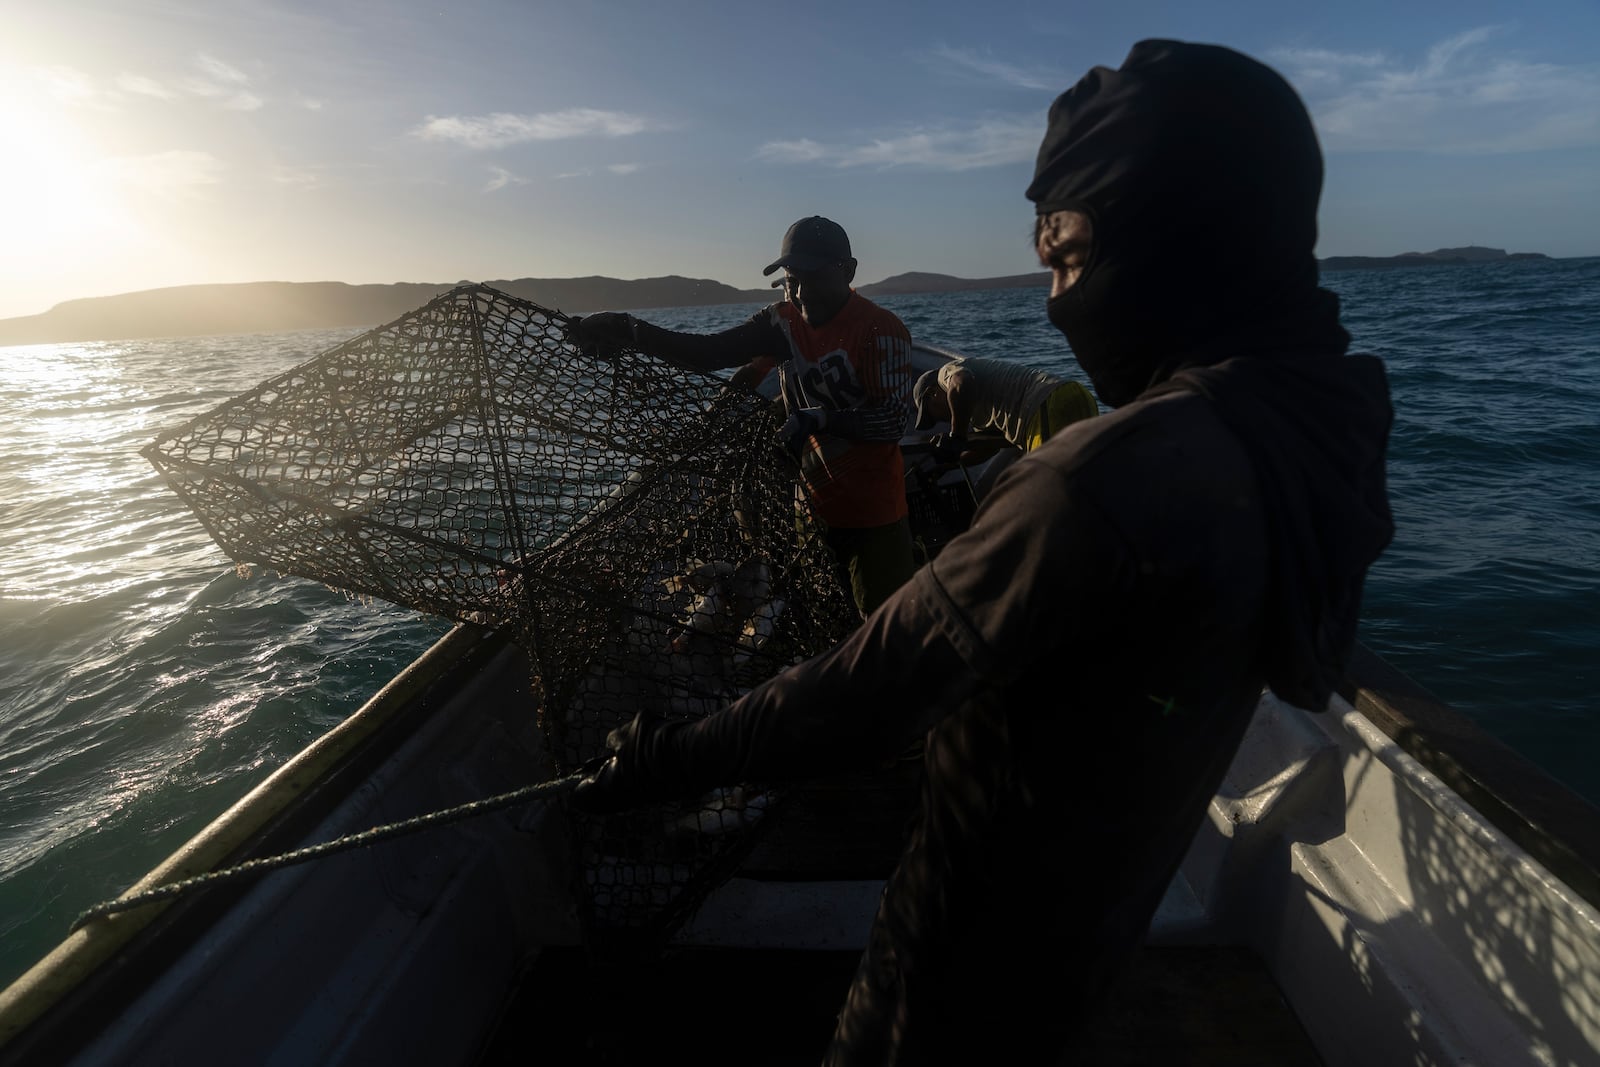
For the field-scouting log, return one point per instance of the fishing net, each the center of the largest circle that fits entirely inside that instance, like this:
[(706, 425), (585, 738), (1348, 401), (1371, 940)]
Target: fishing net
[(629, 523)]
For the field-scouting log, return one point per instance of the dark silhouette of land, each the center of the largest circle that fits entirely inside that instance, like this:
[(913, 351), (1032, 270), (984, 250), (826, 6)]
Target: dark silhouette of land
[(1444, 257), (920, 282), (278, 307)]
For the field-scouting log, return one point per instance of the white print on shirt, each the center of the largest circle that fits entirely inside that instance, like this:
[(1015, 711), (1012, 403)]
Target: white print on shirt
[(894, 348), (832, 379)]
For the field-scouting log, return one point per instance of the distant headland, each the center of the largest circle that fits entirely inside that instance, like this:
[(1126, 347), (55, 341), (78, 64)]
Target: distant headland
[(1443, 257), (278, 307)]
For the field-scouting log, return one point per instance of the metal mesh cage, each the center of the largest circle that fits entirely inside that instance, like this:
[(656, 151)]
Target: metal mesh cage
[(628, 522)]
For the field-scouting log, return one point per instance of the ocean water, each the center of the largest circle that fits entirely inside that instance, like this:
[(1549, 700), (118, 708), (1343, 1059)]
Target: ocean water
[(145, 686)]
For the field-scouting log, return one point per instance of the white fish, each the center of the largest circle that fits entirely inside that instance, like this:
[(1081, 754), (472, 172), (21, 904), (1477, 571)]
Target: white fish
[(724, 810), (700, 577), (706, 615), (751, 586), (730, 599), (759, 628)]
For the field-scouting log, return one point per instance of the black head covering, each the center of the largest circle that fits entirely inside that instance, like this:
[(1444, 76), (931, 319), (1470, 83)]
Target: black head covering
[(1201, 173)]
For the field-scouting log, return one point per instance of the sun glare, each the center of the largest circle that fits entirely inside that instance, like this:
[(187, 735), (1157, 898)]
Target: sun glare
[(55, 197)]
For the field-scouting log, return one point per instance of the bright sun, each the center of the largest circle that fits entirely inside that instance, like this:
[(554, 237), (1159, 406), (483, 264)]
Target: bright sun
[(56, 198)]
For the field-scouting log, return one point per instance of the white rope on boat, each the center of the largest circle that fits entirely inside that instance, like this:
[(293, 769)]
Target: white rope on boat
[(264, 864)]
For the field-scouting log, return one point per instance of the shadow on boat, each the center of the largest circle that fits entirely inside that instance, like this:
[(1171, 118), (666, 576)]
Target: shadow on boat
[(1401, 922), (1341, 904)]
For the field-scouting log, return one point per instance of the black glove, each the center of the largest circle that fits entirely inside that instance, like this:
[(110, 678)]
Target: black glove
[(604, 330), (947, 448), (801, 424), (644, 766)]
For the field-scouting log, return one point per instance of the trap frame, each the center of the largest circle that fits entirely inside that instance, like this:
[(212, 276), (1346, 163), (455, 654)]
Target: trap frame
[(628, 522)]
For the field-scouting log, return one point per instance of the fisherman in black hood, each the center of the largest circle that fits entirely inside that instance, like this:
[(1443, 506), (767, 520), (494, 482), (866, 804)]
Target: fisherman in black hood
[(1083, 662)]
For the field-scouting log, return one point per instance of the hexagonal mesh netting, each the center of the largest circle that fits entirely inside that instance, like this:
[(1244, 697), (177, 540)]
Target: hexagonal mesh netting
[(628, 522)]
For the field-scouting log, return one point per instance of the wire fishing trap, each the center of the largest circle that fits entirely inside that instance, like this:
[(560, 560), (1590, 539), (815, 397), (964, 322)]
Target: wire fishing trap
[(628, 522)]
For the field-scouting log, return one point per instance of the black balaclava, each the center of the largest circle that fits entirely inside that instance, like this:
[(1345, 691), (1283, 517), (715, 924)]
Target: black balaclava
[(1200, 172)]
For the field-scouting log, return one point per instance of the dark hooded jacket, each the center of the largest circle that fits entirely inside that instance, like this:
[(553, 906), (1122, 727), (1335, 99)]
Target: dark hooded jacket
[(1085, 659), (1200, 172)]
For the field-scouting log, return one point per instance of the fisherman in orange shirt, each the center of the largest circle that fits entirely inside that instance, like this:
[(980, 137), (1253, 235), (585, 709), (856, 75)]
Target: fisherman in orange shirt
[(845, 368)]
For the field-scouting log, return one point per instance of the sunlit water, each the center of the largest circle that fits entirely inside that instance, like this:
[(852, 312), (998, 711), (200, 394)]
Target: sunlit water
[(144, 686)]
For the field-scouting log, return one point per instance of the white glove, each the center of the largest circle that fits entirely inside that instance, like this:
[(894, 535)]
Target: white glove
[(800, 425)]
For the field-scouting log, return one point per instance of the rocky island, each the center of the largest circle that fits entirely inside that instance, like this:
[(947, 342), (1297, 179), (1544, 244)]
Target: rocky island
[(1443, 257), (276, 307)]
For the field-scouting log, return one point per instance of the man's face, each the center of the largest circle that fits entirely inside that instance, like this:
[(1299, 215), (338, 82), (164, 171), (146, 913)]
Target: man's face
[(819, 294), (1063, 240)]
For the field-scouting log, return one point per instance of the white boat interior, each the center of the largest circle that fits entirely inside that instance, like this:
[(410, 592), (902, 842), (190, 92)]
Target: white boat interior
[(1396, 922)]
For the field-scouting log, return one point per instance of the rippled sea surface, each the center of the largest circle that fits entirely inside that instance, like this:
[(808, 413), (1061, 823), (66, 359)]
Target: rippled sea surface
[(145, 686)]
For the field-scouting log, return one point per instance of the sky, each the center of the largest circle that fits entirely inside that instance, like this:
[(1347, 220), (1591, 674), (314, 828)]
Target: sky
[(147, 144)]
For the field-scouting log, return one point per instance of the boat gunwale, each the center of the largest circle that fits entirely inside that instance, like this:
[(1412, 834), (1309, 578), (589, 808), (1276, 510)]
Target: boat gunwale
[(271, 816), (1546, 818)]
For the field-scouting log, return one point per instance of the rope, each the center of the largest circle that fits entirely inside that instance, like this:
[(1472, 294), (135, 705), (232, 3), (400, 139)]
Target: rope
[(252, 868)]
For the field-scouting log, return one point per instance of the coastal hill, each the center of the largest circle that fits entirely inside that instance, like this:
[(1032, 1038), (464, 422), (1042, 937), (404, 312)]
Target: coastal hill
[(1443, 257), (276, 307), (920, 282)]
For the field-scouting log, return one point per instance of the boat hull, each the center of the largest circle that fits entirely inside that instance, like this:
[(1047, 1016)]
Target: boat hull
[(1392, 916)]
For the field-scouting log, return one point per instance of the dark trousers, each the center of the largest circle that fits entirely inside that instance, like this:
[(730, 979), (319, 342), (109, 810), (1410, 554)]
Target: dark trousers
[(874, 561), (1015, 905)]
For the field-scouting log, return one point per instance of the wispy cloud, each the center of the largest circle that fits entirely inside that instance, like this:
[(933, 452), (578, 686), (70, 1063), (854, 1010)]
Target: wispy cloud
[(618, 169), (68, 85), (221, 81), (499, 178), (296, 177), (987, 143), (1462, 97), (139, 85), (501, 129), (220, 71), (1313, 69), (172, 175), (212, 80), (989, 69)]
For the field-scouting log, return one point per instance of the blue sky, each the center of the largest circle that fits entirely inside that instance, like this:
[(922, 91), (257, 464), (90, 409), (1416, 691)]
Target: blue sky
[(150, 144)]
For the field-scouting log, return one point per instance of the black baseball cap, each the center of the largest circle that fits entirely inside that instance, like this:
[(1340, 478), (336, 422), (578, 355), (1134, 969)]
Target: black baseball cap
[(812, 244)]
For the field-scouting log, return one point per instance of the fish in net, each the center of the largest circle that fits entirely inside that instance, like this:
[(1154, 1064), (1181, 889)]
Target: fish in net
[(629, 523)]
